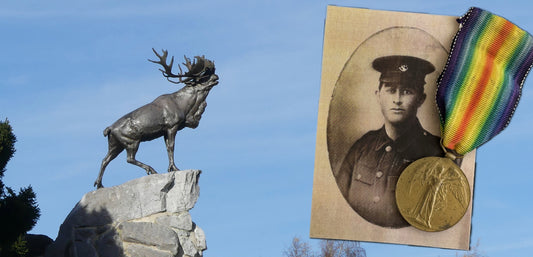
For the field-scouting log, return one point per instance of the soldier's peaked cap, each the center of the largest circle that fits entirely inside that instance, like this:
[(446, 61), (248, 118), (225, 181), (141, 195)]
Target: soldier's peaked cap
[(407, 70)]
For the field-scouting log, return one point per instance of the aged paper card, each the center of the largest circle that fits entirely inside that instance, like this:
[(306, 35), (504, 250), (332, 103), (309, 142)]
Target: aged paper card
[(377, 114)]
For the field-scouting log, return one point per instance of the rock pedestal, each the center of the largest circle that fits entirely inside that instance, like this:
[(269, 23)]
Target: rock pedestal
[(145, 217)]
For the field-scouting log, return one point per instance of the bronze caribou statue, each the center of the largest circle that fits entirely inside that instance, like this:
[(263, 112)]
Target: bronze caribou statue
[(165, 115)]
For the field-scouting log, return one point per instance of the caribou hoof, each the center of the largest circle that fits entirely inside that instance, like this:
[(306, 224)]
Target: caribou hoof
[(150, 171), (171, 169), (98, 184)]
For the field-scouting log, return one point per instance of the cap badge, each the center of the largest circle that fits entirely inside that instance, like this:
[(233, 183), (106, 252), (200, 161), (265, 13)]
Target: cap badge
[(403, 68)]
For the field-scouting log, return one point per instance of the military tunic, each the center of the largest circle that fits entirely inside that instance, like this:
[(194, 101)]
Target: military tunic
[(371, 168)]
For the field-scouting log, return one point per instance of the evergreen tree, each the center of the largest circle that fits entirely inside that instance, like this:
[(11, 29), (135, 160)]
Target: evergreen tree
[(18, 211), (7, 149)]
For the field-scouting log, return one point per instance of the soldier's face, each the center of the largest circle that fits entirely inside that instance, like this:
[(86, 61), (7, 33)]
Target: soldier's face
[(399, 103)]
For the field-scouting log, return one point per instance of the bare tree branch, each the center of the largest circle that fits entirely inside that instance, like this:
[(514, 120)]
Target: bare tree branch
[(298, 249), (474, 252), (328, 248)]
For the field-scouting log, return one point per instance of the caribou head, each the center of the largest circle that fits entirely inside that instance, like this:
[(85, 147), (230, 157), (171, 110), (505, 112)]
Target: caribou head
[(197, 71)]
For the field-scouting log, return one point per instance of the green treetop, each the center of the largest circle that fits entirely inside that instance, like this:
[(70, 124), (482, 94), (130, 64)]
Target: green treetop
[(18, 211)]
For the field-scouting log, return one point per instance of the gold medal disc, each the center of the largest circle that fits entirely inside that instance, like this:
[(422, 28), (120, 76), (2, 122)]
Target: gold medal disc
[(432, 194)]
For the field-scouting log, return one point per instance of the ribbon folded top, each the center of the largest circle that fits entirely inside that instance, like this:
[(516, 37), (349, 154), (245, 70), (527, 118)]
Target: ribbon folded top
[(482, 81)]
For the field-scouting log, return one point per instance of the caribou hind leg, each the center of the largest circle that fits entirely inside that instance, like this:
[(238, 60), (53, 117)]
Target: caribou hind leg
[(131, 150), (114, 150)]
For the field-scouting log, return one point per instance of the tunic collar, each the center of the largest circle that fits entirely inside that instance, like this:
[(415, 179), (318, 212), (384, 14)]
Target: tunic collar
[(404, 141)]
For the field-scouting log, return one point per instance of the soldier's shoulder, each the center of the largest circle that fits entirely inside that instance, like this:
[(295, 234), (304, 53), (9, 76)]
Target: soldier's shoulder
[(430, 143), (365, 140), (428, 136), (370, 135)]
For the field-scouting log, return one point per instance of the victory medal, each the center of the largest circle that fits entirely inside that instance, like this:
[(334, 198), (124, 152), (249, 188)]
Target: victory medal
[(476, 96), (432, 194)]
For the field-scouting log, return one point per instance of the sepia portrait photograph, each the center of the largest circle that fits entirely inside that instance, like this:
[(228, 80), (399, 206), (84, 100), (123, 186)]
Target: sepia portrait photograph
[(377, 115)]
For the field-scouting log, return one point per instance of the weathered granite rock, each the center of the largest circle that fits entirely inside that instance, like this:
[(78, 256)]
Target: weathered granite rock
[(151, 234), (147, 217), (136, 250), (180, 221)]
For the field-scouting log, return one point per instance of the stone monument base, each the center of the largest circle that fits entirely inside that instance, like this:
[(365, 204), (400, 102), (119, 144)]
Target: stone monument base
[(145, 217)]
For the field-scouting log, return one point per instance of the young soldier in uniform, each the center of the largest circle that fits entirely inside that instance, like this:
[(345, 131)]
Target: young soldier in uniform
[(370, 170)]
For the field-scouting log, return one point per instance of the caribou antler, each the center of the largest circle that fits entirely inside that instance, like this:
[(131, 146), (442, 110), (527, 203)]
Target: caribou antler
[(197, 69)]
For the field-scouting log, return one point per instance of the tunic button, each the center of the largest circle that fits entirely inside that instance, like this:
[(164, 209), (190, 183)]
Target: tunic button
[(379, 174), (388, 148), (358, 176), (376, 199)]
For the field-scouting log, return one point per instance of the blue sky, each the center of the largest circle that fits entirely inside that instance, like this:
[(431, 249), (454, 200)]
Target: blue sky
[(68, 69)]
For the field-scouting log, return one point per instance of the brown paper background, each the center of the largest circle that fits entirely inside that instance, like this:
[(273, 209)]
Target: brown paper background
[(346, 30)]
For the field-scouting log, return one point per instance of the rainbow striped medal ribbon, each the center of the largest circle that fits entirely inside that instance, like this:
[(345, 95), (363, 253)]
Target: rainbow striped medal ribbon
[(477, 94)]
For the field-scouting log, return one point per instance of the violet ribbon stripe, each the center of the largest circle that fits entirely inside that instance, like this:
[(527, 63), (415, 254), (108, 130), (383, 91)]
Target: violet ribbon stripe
[(481, 84)]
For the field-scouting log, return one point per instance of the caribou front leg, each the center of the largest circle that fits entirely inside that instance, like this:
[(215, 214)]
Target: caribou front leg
[(132, 151), (170, 138)]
